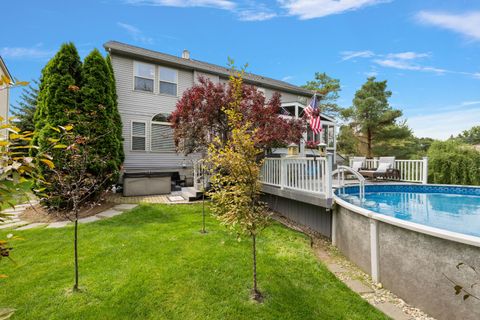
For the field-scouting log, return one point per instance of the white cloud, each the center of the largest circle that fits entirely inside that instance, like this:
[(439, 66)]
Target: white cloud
[(409, 55), (135, 33), (371, 74), (467, 24), (35, 52), (407, 60), (253, 15), (310, 9), (347, 55), (406, 65), (470, 103), (287, 78), (220, 4), (443, 125)]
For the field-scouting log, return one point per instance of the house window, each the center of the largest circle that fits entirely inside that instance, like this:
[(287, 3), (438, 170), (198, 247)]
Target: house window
[(144, 75), (161, 135), (168, 81), (139, 136)]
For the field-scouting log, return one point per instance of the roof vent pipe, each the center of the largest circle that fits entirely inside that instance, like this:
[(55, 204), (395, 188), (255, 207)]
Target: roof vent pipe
[(186, 54)]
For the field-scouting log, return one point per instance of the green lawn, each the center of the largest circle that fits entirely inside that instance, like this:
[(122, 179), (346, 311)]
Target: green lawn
[(152, 263)]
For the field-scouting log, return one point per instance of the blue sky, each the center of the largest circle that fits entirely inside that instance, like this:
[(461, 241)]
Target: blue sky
[(429, 50)]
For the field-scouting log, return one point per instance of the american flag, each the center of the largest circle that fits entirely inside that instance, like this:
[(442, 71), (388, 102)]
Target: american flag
[(313, 118)]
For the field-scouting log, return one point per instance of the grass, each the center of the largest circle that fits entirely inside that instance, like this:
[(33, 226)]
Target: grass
[(153, 263)]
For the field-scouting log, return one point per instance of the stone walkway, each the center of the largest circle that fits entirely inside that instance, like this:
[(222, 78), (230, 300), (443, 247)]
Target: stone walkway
[(172, 198), (13, 221)]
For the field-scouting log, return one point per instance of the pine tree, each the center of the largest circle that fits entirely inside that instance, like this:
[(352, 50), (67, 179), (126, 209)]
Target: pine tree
[(117, 120), (98, 103), (25, 109), (56, 106)]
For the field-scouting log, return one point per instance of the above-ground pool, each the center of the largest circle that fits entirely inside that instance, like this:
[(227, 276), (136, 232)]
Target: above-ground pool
[(450, 208), (422, 242)]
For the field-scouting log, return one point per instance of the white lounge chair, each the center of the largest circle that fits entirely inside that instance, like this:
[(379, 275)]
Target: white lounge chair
[(385, 169), (358, 163)]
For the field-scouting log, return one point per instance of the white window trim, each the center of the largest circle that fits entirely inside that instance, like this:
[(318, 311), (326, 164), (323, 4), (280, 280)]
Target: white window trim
[(160, 80), (147, 147), (163, 124), (135, 62)]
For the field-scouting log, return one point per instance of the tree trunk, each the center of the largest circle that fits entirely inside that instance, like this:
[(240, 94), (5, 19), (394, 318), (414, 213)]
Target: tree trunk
[(369, 143), (75, 246), (256, 295), (203, 201)]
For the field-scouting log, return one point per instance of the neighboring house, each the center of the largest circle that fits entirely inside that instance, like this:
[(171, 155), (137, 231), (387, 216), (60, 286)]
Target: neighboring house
[(149, 84), (4, 94)]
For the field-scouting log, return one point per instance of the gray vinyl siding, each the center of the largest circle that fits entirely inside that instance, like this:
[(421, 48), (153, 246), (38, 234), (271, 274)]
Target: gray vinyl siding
[(285, 96), (142, 106)]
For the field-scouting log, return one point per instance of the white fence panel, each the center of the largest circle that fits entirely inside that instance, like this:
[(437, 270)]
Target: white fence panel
[(410, 170), (301, 174)]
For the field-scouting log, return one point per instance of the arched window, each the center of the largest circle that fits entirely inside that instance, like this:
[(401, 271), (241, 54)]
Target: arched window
[(161, 139)]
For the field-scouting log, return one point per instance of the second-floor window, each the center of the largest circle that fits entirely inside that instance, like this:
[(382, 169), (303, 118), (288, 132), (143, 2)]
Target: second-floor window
[(168, 81), (144, 74)]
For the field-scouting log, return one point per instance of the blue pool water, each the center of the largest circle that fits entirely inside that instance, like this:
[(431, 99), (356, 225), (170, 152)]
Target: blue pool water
[(455, 209)]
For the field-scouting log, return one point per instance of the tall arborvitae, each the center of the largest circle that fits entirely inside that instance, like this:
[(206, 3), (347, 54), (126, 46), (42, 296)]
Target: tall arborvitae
[(99, 110), (57, 105), (25, 108), (117, 120)]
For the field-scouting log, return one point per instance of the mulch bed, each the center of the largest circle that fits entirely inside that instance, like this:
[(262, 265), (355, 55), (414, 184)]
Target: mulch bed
[(38, 213)]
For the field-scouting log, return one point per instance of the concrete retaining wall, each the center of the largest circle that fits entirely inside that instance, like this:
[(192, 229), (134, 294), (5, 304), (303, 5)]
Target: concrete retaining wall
[(414, 265)]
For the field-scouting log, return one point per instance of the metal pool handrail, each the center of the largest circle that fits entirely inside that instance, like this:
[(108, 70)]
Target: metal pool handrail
[(340, 172)]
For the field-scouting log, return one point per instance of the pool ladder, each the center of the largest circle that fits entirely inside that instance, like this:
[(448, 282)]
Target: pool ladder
[(340, 172)]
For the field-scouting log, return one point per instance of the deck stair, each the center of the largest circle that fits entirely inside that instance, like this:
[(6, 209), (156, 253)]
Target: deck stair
[(191, 194)]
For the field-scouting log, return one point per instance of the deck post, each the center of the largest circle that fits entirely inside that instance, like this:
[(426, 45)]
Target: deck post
[(328, 178), (283, 173), (425, 170)]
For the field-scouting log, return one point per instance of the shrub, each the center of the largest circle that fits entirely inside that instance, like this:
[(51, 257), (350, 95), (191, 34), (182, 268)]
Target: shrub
[(451, 162)]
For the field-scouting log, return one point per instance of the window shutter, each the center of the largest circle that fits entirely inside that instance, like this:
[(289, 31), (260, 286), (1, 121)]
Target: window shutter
[(162, 138)]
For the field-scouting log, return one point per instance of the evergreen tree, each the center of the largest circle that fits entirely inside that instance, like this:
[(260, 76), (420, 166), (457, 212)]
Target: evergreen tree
[(97, 102), (117, 120), (56, 106), (25, 109), (371, 113), (329, 89), (55, 101)]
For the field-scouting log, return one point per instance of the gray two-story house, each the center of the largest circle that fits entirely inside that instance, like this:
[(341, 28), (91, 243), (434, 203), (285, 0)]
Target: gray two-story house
[(149, 84)]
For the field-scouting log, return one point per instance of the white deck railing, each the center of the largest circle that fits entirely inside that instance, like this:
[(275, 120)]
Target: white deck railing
[(410, 170), (312, 175)]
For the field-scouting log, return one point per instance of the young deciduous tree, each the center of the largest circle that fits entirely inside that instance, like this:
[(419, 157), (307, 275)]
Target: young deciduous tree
[(17, 169), (328, 89), (371, 113), (199, 117), (235, 171), (74, 181)]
